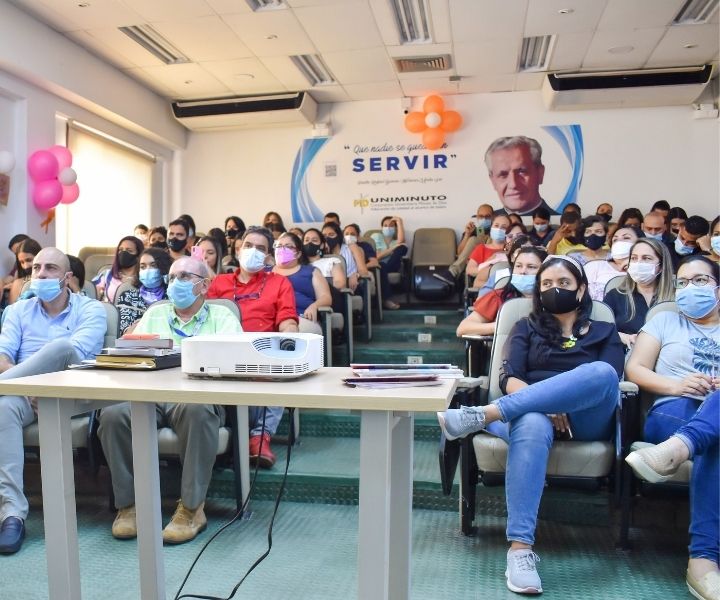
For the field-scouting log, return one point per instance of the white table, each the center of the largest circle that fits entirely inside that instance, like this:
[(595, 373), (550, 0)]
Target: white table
[(386, 461)]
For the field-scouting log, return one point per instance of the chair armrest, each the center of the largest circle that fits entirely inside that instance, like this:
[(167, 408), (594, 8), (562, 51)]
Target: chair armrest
[(628, 387), (469, 383)]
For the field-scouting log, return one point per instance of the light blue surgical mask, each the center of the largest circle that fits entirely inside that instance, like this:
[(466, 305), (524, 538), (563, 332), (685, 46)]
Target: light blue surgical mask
[(654, 236), (497, 234), (681, 248), (181, 293), (484, 224), (252, 259), (696, 301), (715, 244), (523, 283), (388, 232), (151, 278), (541, 227), (45, 289)]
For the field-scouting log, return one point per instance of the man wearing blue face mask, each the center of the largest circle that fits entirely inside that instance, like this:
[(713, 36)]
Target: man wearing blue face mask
[(654, 226), (267, 303), (42, 334), (196, 425), (685, 243)]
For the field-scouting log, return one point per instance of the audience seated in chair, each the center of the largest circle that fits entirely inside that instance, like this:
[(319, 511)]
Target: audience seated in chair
[(178, 239), (561, 370), (157, 238), (196, 425), (677, 357), (132, 302), (312, 290), (686, 242), (565, 239), (713, 242), (526, 262), (43, 334), (234, 227), (485, 255), (13, 246), (267, 303), (212, 251), (352, 254), (27, 251), (675, 217), (593, 234), (648, 281), (273, 222), (541, 232), (390, 247), (123, 270)]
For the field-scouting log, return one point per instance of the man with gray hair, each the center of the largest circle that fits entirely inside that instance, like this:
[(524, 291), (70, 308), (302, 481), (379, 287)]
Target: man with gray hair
[(42, 334), (196, 425), (516, 172)]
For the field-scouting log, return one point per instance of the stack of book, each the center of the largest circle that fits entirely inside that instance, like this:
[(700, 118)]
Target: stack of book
[(400, 375), (139, 351)]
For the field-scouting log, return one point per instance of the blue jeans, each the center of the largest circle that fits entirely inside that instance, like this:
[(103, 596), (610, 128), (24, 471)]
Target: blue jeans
[(589, 394), (392, 263), (272, 419), (697, 425)]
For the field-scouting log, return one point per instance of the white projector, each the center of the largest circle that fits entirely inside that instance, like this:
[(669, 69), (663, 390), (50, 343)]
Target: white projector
[(252, 355)]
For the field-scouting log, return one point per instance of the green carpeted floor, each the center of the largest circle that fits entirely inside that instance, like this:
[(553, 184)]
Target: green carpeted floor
[(314, 558)]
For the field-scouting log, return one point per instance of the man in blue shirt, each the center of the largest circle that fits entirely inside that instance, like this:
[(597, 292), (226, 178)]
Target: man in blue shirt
[(43, 334)]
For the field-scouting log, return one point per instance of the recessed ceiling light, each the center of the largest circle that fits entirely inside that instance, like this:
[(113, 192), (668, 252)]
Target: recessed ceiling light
[(566, 11), (688, 46), (621, 49), (272, 36)]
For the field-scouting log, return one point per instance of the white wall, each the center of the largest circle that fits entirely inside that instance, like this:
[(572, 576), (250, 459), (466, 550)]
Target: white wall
[(633, 157)]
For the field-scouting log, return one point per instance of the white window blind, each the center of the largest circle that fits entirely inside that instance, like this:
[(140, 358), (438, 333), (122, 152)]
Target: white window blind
[(115, 192)]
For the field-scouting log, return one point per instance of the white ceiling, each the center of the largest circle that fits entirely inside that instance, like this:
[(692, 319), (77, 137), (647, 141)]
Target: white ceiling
[(235, 51)]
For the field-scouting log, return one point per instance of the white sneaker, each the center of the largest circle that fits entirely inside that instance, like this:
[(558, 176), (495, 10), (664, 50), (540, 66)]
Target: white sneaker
[(460, 422), (522, 576)]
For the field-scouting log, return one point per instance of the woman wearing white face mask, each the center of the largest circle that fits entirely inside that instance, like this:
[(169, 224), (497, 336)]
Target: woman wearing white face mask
[(486, 255), (677, 358), (649, 280), (311, 289), (525, 265), (390, 247), (599, 272)]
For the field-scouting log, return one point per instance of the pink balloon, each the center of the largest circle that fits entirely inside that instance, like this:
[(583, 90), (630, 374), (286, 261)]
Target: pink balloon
[(47, 194), (42, 166), (70, 193), (63, 155)]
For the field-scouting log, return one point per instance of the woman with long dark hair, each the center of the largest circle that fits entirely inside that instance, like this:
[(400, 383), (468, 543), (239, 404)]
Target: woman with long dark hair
[(124, 268), (560, 372)]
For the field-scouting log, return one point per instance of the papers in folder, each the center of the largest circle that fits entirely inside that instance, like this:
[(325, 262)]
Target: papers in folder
[(384, 376)]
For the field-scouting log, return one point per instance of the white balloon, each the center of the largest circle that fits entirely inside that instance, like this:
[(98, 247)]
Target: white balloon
[(7, 162), (67, 176), (432, 119)]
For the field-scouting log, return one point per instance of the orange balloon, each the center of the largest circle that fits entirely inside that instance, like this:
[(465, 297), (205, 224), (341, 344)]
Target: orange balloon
[(433, 138), (415, 122), (451, 121), (434, 104)]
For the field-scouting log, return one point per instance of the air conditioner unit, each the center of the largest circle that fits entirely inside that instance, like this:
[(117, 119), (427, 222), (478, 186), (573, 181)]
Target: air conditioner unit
[(621, 89), (246, 112)]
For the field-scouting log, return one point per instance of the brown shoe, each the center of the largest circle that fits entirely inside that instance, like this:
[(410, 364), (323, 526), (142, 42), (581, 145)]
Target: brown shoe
[(124, 526), (185, 524)]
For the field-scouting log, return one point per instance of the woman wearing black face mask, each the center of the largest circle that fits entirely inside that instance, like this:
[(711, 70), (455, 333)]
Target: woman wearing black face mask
[(124, 269), (592, 233), (560, 371)]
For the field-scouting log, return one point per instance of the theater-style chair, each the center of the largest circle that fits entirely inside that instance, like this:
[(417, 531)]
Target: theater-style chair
[(613, 283), (433, 248), (360, 301), (497, 279), (89, 289), (483, 457), (638, 405), (96, 263), (376, 288), (341, 318), (86, 251), (83, 427)]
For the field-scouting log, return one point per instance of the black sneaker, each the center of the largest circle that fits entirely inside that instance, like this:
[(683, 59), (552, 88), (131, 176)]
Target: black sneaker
[(445, 275)]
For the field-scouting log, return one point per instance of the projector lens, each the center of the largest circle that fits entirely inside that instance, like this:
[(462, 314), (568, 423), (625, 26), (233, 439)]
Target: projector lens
[(287, 344)]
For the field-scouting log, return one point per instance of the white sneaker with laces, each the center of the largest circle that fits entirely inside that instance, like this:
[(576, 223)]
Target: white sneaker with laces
[(460, 422), (521, 574)]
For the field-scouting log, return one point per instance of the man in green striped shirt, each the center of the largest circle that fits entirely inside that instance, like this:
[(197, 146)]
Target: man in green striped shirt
[(196, 425)]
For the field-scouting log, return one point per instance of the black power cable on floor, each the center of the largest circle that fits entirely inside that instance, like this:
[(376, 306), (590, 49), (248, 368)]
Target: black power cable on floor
[(237, 516)]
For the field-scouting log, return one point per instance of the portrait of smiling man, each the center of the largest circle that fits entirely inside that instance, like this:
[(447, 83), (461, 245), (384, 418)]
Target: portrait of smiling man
[(516, 172)]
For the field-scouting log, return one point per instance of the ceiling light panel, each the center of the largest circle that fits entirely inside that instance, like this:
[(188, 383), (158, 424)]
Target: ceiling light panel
[(155, 44), (412, 19), (695, 12), (313, 69), (536, 52)]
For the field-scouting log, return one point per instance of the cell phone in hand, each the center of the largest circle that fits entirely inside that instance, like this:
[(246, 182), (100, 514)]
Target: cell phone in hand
[(196, 252)]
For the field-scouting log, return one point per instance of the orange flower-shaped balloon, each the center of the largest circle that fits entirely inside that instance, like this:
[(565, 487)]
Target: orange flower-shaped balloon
[(433, 122)]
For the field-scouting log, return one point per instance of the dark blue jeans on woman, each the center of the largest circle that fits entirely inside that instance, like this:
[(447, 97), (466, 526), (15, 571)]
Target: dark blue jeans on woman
[(392, 263), (695, 423)]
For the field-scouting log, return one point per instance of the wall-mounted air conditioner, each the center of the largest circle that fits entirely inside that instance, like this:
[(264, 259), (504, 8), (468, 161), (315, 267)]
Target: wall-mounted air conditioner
[(621, 89), (246, 112)]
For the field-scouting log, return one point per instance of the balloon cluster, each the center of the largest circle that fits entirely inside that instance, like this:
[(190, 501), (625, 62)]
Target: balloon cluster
[(433, 122), (54, 180)]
